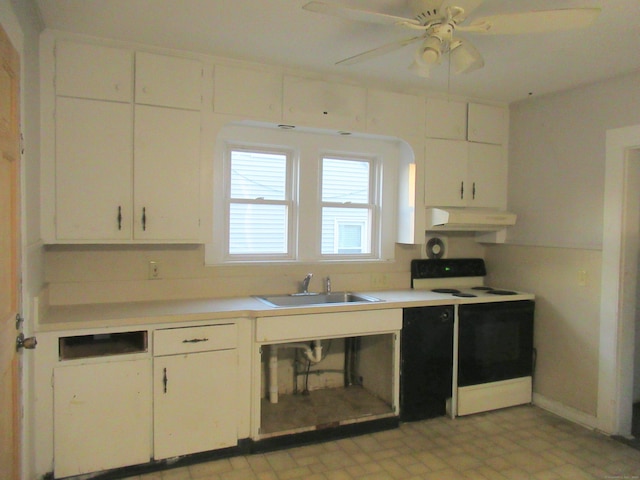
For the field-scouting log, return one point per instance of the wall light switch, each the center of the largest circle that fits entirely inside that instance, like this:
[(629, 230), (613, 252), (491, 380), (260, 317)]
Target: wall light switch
[(154, 270)]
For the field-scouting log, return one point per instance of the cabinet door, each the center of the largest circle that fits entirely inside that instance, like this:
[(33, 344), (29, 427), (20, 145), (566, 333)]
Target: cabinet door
[(487, 124), (168, 81), (93, 71), (194, 403), (446, 119), (488, 175), (445, 175), (314, 103), (102, 416), (166, 172), (93, 169), (397, 114), (247, 92)]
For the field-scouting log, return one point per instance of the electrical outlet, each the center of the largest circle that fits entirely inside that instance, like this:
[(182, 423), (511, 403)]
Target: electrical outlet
[(379, 280), (582, 278), (154, 270)]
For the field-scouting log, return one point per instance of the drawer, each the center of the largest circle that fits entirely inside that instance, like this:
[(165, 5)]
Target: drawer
[(172, 341)]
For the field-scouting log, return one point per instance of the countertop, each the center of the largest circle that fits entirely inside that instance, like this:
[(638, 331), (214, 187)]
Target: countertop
[(74, 317)]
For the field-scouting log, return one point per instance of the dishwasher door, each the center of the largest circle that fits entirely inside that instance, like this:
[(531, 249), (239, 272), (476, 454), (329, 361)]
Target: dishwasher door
[(426, 352)]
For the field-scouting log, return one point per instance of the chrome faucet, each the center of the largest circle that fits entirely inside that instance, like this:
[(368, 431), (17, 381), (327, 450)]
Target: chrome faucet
[(305, 283), (328, 285)]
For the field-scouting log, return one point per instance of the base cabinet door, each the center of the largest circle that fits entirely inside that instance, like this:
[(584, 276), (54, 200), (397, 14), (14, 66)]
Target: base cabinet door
[(194, 403), (102, 416)]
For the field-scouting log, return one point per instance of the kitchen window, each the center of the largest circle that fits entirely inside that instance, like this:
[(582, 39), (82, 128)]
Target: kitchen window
[(301, 196), (259, 206), (348, 205)]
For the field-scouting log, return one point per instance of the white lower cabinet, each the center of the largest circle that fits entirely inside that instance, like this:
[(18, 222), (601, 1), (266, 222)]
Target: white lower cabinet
[(195, 393), (102, 416)]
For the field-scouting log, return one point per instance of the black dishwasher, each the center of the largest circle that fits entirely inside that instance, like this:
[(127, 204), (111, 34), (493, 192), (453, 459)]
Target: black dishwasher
[(426, 352)]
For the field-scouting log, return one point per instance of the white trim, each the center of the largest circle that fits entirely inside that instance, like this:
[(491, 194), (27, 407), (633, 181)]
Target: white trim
[(615, 373), (571, 414)]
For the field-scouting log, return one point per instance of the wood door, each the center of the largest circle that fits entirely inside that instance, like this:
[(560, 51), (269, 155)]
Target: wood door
[(10, 366)]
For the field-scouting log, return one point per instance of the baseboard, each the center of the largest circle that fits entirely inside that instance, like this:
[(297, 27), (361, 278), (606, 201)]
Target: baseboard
[(566, 412)]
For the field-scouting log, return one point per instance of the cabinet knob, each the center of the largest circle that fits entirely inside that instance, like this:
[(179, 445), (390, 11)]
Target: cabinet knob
[(29, 343)]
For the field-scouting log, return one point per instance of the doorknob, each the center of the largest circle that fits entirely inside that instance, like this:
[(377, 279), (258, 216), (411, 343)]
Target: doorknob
[(29, 343)]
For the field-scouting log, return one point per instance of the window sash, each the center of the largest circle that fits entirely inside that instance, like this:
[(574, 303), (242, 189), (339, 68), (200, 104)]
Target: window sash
[(331, 212), (259, 213)]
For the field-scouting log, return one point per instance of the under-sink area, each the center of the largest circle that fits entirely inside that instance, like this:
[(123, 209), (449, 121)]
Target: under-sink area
[(315, 299), (324, 371), (351, 381)]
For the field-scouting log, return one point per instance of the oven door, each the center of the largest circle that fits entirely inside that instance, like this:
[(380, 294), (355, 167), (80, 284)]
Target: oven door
[(495, 341)]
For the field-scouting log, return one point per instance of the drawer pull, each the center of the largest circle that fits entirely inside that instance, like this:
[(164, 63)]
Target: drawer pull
[(195, 340)]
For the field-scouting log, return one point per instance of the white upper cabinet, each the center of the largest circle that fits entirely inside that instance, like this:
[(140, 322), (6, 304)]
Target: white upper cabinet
[(166, 172), (123, 168), (248, 92), (315, 103), (396, 114), (445, 172), (93, 177), (487, 124), (446, 119), (464, 174), (93, 71), (168, 81), (487, 171)]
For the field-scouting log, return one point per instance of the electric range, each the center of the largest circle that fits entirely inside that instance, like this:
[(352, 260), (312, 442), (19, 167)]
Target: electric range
[(461, 278), (489, 336)]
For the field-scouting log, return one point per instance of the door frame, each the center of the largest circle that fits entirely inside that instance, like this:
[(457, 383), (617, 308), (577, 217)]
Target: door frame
[(617, 324)]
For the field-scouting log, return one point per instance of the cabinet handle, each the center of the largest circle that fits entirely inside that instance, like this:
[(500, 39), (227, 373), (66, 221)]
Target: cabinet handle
[(119, 217), (164, 380), (195, 340), (473, 191), (461, 190), (144, 218)]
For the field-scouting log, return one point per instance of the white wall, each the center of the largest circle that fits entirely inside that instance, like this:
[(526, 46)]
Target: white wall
[(556, 186), (557, 158)]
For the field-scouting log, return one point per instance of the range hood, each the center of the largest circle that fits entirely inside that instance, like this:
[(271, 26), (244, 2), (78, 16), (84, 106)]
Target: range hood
[(468, 219)]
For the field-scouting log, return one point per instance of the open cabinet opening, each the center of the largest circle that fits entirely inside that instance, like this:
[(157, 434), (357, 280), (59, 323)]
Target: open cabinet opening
[(320, 384)]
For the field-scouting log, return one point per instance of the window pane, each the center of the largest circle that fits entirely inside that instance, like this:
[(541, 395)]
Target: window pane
[(257, 229), (345, 230), (258, 175), (345, 181)]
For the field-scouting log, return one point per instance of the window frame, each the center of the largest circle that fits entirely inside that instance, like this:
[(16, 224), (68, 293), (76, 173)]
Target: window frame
[(306, 146), (373, 206), (288, 202)]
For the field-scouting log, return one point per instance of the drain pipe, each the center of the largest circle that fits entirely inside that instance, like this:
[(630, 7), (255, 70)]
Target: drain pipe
[(313, 355)]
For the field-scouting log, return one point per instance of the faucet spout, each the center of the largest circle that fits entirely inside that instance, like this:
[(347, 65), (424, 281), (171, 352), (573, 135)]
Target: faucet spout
[(305, 283)]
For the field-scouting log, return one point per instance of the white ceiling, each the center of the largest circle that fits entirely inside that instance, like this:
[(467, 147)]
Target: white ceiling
[(280, 32)]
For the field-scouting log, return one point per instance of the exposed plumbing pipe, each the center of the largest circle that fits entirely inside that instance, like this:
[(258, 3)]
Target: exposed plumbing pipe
[(313, 355)]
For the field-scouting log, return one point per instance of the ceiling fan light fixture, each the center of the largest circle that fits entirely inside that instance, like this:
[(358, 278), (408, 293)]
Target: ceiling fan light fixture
[(465, 58), (430, 52), (419, 69)]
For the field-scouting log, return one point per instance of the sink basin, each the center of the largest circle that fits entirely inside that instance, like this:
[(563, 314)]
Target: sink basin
[(301, 300)]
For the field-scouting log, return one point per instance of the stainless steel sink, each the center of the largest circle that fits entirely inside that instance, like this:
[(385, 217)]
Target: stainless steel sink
[(307, 299)]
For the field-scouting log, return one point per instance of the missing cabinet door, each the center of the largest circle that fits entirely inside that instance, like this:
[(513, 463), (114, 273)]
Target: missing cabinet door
[(99, 345)]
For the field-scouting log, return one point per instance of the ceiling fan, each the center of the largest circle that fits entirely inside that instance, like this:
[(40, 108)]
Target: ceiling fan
[(438, 21)]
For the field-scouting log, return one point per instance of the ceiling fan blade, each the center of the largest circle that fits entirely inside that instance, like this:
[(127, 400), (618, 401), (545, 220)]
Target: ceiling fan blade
[(469, 6), (465, 57), (356, 14), (376, 52), (533, 22)]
